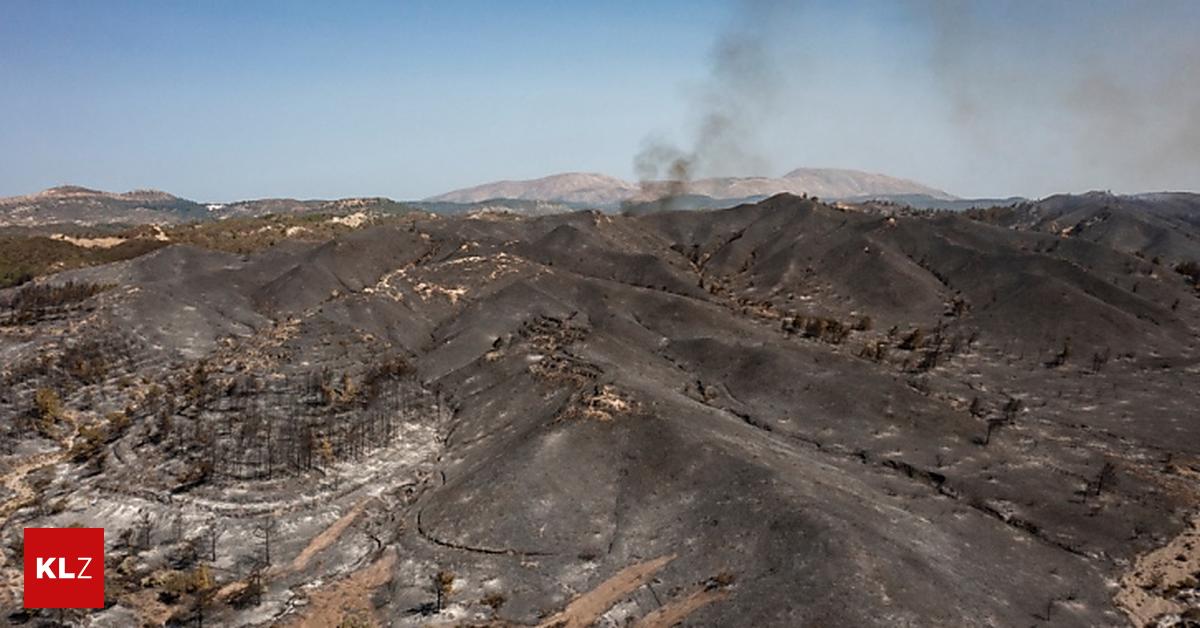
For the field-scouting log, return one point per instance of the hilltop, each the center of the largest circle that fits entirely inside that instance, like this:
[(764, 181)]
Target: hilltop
[(1162, 225), (75, 206), (80, 205)]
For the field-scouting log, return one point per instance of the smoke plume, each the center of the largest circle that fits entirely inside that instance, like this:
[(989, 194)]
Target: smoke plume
[(740, 92), (1017, 96), (1094, 95)]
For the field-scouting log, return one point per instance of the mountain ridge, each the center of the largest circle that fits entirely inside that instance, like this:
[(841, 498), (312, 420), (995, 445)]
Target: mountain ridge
[(82, 205), (78, 205), (607, 191)]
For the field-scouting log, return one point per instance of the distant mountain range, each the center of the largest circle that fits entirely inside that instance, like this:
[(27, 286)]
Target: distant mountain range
[(76, 205), (1163, 224), (71, 204), (605, 192)]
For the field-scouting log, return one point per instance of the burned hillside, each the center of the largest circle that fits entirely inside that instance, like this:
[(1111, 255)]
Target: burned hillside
[(784, 413)]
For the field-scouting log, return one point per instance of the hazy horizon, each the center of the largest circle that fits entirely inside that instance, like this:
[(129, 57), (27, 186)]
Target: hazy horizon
[(230, 101)]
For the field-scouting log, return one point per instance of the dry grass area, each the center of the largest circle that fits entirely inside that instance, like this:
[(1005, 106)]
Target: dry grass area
[(91, 243), (601, 403), (1150, 589), (26, 255), (247, 235), (146, 605), (605, 403)]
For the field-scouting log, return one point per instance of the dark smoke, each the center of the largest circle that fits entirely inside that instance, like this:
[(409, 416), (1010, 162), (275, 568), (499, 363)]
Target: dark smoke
[(1038, 96), (740, 92)]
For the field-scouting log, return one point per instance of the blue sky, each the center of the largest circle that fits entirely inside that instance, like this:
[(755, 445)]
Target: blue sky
[(228, 100)]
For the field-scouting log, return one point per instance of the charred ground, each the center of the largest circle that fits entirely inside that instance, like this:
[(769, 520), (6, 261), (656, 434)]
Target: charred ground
[(786, 413)]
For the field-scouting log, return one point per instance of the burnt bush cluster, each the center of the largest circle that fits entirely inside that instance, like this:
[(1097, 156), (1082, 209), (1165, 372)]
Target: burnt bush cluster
[(1191, 270), (65, 370), (93, 437), (936, 346), (926, 349), (40, 301), (261, 427), (1007, 416), (820, 328), (92, 360)]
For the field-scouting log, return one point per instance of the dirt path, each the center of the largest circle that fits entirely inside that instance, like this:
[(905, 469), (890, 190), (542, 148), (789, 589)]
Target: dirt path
[(587, 608), (16, 480), (318, 543), (346, 599), (676, 611), (328, 536)]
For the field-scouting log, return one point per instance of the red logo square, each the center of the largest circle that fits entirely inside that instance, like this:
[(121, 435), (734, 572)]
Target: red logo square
[(64, 567)]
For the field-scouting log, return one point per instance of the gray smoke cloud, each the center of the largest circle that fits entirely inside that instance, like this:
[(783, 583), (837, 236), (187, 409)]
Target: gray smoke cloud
[(1094, 95), (1027, 96), (739, 94)]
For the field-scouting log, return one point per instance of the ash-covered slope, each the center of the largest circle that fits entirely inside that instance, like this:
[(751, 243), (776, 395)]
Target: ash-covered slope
[(1165, 225), (774, 415), (904, 269)]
